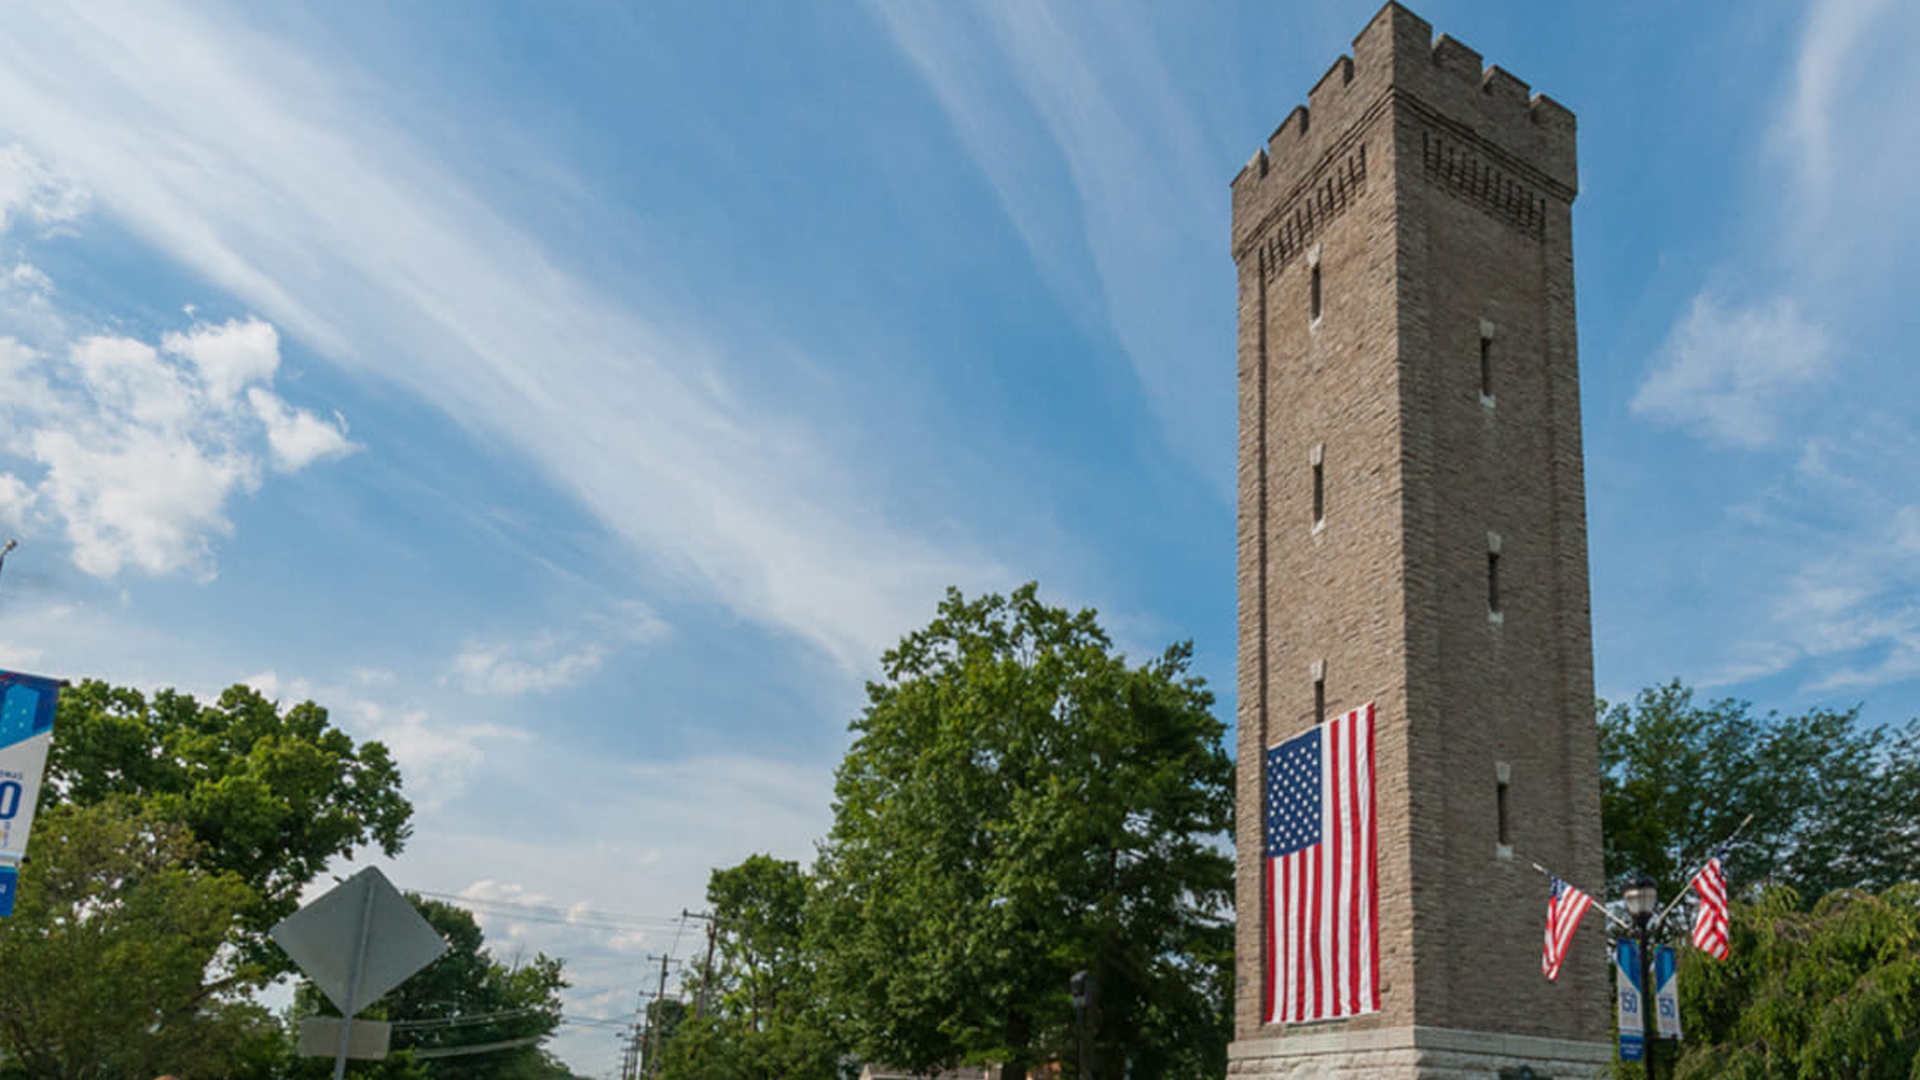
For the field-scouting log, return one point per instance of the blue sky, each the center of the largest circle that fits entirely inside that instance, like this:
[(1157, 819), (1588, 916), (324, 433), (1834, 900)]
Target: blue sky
[(580, 398)]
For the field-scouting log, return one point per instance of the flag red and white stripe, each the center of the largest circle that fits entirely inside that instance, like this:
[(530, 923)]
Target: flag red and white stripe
[(1323, 925), (1565, 906), (1710, 922)]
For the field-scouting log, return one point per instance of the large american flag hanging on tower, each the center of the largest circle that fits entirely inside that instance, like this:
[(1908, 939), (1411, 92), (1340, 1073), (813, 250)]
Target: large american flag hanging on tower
[(1323, 900)]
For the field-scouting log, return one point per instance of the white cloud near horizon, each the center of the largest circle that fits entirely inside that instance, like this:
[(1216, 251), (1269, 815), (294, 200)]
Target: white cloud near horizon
[(677, 820), (281, 177), (133, 452)]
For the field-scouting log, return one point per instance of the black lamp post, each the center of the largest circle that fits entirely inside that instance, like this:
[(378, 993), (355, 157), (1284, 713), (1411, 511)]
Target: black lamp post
[(1080, 986), (1643, 899)]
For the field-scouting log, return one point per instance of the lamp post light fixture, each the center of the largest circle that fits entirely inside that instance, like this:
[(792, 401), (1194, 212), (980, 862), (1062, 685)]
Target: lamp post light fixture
[(1642, 897)]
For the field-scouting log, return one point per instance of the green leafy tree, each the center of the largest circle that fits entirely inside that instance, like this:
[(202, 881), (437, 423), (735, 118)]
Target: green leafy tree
[(755, 1017), (761, 907), (113, 965), (270, 795), (1835, 803), (1020, 803), (464, 999), (1807, 995)]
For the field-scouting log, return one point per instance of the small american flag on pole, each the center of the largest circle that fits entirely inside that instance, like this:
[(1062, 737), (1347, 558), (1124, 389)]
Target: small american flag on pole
[(1323, 905), (1710, 922), (1565, 906)]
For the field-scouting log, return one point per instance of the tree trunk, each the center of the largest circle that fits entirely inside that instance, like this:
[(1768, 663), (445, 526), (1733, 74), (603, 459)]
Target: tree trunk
[(1019, 1046)]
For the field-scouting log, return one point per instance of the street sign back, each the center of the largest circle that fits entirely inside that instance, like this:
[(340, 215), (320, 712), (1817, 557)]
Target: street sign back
[(325, 939)]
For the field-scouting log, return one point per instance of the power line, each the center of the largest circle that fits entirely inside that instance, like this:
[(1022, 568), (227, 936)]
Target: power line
[(594, 1021), (481, 1048), (464, 1018), (570, 914)]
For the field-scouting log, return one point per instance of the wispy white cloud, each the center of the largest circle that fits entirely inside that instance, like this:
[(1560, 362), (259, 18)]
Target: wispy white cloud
[(437, 756), (1834, 132), (1728, 371), (1797, 351), (275, 175), (296, 437), (1828, 242), (502, 669), (552, 661), (34, 203), (17, 655), (1069, 112), (1834, 549), (134, 451), (33, 194)]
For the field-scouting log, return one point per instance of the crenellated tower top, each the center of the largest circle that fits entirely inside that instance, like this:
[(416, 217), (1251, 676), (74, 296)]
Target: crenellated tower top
[(1397, 57)]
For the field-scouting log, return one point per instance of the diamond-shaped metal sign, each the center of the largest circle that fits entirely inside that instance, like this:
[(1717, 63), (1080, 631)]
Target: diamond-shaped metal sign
[(362, 924)]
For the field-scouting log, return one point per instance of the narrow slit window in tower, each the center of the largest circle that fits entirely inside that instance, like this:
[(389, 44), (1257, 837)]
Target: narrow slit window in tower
[(1319, 494), (1503, 816), (1486, 363), (1313, 292), (1319, 700), (1500, 800), (1493, 579), (1318, 459)]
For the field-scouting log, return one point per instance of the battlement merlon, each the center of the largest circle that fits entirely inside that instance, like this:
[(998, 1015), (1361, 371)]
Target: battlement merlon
[(1397, 50)]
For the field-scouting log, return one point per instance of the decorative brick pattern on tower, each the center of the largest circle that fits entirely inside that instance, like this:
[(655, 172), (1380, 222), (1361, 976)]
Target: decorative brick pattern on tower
[(1434, 400)]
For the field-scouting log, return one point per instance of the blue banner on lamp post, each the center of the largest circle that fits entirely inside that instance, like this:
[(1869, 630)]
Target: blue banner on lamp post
[(1630, 1013), (1666, 993), (26, 733)]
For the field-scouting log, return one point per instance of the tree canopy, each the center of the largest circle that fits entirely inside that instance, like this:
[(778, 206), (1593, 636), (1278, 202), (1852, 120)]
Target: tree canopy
[(1020, 803), (754, 1016), (1805, 995), (112, 966), (1835, 803), (269, 795)]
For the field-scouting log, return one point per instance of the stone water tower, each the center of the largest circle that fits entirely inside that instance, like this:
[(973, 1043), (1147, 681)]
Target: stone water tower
[(1412, 536)]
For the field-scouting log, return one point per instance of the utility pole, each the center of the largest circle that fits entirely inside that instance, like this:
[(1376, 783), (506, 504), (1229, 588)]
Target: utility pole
[(706, 966), (650, 1065), (641, 1049)]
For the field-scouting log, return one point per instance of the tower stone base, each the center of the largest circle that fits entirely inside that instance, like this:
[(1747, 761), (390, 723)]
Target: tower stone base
[(1416, 1053)]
